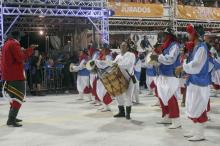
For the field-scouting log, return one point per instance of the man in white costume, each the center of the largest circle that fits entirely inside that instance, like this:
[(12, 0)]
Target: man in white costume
[(126, 62), (102, 93), (198, 90), (94, 54), (83, 76), (167, 83), (137, 73)]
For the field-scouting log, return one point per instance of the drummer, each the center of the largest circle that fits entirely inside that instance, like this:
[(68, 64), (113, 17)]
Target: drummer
[(126, 62), (167, 83)]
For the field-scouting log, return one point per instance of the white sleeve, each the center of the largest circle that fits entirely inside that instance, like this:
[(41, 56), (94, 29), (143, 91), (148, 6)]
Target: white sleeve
[(170, 58), (81, 65), (101, 64), (117, 58), (196, 65), (127, 62)]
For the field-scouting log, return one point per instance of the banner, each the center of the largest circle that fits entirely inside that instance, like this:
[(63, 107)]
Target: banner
[(137, 38), (198, 13), (138, 10)]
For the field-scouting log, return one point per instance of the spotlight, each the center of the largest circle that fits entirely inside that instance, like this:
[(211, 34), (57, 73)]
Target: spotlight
[(41, 32)]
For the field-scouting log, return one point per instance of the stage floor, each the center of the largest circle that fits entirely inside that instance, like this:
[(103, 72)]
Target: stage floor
[(61, 120)]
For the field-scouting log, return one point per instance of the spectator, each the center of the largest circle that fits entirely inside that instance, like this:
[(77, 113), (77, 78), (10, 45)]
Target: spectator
[(36, 72), (145, 43)]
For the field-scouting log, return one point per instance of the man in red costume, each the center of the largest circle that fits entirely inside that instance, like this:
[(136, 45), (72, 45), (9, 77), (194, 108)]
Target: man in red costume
[(13, 57)]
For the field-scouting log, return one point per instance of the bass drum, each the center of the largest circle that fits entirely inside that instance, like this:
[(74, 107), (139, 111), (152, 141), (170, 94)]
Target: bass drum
[(55, 42), (114, 81)]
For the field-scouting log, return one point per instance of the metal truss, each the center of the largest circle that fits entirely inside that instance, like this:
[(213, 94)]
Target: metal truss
[(138, 22), (27, 11), (75, 3), (208, 25), (34, 21), (1, 25), (94, 10)]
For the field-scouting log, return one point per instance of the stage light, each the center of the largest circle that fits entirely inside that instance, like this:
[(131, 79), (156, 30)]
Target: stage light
[(41, 32)]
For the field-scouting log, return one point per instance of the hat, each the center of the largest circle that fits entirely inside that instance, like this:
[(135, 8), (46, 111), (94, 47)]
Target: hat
[(169, 31), (191, 29)]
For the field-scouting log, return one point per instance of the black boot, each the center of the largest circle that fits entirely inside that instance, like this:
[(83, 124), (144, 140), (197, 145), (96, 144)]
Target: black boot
[(16, 120), (121, 112), (128, 112), (12, 118)]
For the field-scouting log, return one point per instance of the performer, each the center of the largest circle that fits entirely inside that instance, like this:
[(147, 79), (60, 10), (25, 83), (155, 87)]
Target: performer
[(13, 57), (137, 73), (215, 74), (197, 83), (126, 62), (94, 54), (83, 85), (188, 47), (102, 93), (151, 76), (167, 83)]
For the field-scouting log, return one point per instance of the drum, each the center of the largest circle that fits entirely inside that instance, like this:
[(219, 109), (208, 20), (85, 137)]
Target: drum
[(113, 80)]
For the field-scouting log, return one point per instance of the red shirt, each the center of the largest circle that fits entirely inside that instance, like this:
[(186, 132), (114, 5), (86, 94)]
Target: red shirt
[(13, 60)]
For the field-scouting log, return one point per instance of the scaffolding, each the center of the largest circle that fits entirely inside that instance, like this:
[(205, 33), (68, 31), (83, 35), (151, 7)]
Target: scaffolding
[(25, 15)]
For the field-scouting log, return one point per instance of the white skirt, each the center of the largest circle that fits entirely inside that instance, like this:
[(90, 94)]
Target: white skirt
[(149, 80), (197, 99), (166, 87), (82, 83), (100, 89), (92, 78)]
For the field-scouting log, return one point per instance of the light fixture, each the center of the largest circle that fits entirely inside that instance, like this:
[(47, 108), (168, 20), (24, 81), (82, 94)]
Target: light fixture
[(41, 32), (41, 16)]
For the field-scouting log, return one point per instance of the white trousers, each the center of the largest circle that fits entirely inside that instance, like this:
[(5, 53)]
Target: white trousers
[(126, 98)]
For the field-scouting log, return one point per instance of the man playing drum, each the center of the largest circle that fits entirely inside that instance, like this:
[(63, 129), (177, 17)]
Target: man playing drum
[(126, 62)]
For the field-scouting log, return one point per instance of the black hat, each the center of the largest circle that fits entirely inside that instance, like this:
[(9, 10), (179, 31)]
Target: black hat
[(200, 30), (169, 31)]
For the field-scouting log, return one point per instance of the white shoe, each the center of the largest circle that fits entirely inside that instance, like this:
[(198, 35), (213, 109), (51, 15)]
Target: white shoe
[(101, 108), (165, 120), (106, 109), (175, 123), (189, 134), (199, 133), (97, 104)]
